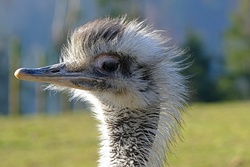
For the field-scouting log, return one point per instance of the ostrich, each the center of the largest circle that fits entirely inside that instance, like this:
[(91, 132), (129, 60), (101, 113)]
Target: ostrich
[(129, 72)]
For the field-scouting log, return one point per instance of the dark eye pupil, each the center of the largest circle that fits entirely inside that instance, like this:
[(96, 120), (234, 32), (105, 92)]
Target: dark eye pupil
[(110, 66)]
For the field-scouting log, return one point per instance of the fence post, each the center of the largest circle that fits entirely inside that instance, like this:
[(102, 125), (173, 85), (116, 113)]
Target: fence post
[(14, 84)]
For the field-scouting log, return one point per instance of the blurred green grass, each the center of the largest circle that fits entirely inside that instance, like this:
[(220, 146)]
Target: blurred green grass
[(215, 135)]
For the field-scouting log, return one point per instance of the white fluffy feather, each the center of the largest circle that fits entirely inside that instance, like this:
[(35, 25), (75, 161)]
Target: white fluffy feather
[(150, 49)]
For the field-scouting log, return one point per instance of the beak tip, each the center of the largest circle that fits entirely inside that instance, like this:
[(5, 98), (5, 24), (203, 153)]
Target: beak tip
[(18, 73)]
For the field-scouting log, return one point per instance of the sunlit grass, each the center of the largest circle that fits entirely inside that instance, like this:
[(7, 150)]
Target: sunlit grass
[(61, 141), (216, 135)]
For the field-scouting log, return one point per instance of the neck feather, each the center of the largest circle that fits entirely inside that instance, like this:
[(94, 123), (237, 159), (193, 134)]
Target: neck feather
[(130, 136), (137, 137)]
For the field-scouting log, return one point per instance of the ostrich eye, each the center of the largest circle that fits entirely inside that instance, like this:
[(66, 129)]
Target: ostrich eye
[(107, 64), (110, 66)]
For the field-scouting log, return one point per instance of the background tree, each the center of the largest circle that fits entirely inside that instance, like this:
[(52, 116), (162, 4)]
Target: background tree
[(203, 87), (237, 48)]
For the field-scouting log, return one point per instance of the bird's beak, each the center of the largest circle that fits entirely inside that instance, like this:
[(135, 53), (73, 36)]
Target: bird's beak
[(58, 74)]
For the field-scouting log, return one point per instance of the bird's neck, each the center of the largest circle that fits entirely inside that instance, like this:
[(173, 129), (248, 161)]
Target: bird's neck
[(128, 136)]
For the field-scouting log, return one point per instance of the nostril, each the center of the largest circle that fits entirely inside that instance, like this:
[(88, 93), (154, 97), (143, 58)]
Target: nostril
[(55, 71), (56, 68)]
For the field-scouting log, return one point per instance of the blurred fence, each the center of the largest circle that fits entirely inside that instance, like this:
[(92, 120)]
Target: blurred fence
[(22, 97), (218, 45)]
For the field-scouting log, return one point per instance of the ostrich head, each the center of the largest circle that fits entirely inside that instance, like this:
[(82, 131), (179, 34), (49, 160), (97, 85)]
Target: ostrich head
[(129, 72)]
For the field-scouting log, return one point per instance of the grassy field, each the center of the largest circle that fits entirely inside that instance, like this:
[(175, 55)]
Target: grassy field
[(216, 135)]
